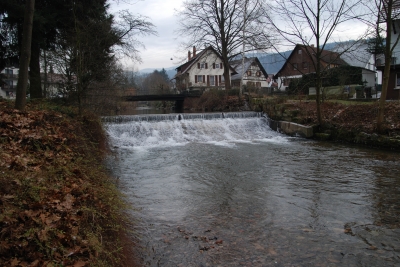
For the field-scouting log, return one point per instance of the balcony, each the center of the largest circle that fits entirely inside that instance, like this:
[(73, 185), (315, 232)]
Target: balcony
[(9, 87), (11, 76)]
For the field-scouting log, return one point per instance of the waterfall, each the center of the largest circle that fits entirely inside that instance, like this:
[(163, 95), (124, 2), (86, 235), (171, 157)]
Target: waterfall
[(185, 116), (181, 129)]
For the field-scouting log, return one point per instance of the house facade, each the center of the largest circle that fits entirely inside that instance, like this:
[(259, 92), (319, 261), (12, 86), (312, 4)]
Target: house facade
[(301, 61), (8, 89), (252, 72), (202, 71), (393, 89)]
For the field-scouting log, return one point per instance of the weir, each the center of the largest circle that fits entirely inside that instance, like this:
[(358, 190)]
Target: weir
[(178, 129), (180, 116)]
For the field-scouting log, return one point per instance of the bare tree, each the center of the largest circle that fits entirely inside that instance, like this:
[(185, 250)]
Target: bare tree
[(20, 100), (225, 25), (313, 22)]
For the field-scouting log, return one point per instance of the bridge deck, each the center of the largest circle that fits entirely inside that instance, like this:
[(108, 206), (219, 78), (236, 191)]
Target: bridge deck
[(170, 97)]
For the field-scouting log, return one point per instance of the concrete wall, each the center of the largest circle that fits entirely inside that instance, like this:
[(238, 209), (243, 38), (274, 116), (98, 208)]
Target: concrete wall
[(290, 128)]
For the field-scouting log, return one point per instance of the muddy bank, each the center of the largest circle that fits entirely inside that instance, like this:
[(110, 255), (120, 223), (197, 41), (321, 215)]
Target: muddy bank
[(344, 121)]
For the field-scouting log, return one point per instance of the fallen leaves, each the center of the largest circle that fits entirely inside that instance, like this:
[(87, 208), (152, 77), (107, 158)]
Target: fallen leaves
[(50, 198)]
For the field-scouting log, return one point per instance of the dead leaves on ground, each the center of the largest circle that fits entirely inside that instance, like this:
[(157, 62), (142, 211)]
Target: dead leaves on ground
[(46, 197)]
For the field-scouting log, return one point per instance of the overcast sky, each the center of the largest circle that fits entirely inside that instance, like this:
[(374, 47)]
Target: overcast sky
[(159, 49)]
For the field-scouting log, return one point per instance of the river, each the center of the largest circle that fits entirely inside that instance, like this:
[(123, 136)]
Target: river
[(226, 190)]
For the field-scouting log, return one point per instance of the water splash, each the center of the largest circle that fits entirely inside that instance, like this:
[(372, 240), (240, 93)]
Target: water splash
[(223, 129)]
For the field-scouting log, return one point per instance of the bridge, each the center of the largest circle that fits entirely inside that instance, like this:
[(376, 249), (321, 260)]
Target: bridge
[(178, 98)]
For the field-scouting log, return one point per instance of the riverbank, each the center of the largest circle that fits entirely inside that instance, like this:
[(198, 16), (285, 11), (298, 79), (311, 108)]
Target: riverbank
[(344, 121), (59, 206)]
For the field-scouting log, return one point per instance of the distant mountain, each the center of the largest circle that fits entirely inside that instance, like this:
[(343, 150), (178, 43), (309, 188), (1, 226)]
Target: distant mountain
[(170, 71)]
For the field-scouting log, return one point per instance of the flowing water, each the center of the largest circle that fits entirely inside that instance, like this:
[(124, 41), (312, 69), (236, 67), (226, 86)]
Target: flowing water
[(226, 190)]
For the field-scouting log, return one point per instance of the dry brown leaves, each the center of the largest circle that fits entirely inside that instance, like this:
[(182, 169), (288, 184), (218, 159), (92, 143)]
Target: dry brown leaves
[(46, 197)]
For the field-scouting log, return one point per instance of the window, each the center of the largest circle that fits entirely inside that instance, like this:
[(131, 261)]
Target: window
[(397, 81), (300, 52), (9, 71), (295, 66), (258, 84), (199, 79), (212, 80), (305, 65), (202, 65), (215, 65), (249, 73), (258, 73)]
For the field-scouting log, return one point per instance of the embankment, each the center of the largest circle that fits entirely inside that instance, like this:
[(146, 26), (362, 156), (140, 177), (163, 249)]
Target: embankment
[(344, 121)]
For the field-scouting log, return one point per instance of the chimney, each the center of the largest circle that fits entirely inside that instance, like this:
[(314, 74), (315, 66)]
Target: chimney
[(312, 45), (188, 55), (194, 51)]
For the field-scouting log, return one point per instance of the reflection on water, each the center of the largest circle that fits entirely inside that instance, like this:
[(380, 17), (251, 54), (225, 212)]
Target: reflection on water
[(262, 200)]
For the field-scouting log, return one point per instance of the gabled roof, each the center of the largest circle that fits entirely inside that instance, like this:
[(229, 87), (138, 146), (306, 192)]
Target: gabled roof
[(241, 69), (354, 53), (328, 57), (186, 66)]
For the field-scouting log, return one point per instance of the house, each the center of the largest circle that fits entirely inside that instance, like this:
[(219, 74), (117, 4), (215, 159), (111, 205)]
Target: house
[(357, 54), (10, 77), (202, 71), (301, 61), (53, 84), (252, 72), (393, 89)]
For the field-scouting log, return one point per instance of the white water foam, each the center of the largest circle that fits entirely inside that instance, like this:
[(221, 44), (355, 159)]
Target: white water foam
[(166, 133)]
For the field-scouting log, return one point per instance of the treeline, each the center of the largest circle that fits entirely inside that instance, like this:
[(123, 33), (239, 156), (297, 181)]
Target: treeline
[(79, 40)]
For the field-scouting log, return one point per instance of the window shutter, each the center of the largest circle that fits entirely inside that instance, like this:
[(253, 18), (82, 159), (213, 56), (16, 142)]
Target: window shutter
[(195, 78), (220, 65), (198, 65), (216, 80), (219, 78), (206, 65), (208, 80), (204, 78), (213, 65)]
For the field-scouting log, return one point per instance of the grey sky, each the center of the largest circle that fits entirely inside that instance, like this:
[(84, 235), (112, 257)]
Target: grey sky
[(159, 49)]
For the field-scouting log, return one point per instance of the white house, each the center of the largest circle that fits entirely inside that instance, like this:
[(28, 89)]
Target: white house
[(8, 90), (202, 71), (357, 55), (252, 72)]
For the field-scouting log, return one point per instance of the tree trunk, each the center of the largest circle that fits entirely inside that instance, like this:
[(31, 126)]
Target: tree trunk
[(35, 81), (25, 57), (45, 75), (386, 71)]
